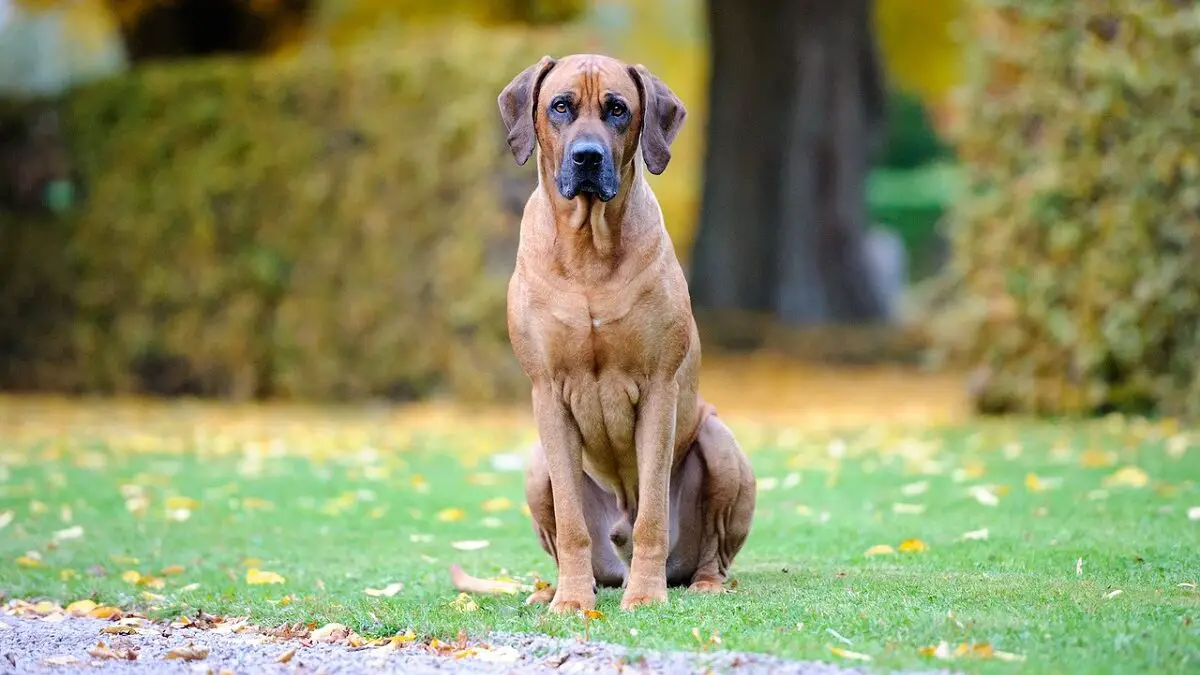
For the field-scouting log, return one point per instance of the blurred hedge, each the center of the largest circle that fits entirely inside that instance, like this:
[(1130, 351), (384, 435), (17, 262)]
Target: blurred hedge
[(317, 228), (1077, 247)]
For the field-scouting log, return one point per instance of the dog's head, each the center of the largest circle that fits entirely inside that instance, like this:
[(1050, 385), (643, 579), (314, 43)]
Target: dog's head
[(589, 115)]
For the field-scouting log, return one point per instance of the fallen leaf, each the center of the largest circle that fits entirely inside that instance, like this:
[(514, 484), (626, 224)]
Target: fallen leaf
[(6, 518), (497, 504), (182, 503), (1007, 656), (124, 560), (171, 570), (286, 656), (1112, 594), (1193, 513), (1129, 476), (189, 587), (63, 660), (975, 535), (69, 533), (4, 626), (913, 489), (191, 652), (67, 574), (880, 549), (385, 592), (502, 654), (81, 607), (104, 612), (847, 654), (908, 509), (471, 544), (1079, 567), (28, 562), (1096, 459), (402, 638), (255, 576), (913, 546), (451, 515), (104, 652), (464, 603), (983, 495), (330, 632)]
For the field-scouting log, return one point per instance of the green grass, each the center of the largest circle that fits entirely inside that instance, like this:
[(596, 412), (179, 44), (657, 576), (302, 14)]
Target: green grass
[(344, 519)]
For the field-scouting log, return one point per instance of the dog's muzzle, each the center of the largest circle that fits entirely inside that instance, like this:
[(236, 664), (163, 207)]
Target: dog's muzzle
[(587, 167)]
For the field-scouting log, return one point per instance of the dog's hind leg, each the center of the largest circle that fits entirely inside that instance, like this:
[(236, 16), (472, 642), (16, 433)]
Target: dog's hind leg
[(727, 507)]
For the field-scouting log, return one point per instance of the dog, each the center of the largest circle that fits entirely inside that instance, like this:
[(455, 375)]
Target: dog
[(635, 482)]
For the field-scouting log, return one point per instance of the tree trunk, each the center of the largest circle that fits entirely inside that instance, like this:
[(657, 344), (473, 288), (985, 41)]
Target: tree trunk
[(796, 109)]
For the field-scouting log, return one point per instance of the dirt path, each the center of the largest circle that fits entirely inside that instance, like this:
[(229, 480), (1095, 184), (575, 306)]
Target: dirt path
[(31, 645)]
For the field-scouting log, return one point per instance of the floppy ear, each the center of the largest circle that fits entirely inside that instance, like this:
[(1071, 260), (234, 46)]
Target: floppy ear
[(516, 103), (662, 117)]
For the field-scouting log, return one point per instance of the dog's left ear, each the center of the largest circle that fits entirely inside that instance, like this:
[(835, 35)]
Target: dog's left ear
[(517, 101), (662, 117)]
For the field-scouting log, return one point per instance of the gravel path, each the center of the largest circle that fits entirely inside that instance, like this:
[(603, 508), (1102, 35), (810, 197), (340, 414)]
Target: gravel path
[(31, 645)]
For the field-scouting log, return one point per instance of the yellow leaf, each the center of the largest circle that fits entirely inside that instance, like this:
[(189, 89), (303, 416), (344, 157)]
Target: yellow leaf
[(171, 570), (1129, 476), (451, 515), (69, 533), (104, 612), (1096, 459), (1032, 483), (330, 632), (255, 576), (67, 574), (251, 562), (123, 560), (81, 607), (913, 546), (385, 592), (182, 503), (119, 629), (402, 639), (377, 512), (497, 504), (880, 549), (471, 544), (592, 615), (847, 654), (131, 576), (28, 561), (286, 656), (464, 603)]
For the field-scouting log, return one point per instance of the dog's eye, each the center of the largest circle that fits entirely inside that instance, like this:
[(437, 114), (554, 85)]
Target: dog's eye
[(560, 107), (616, 110)]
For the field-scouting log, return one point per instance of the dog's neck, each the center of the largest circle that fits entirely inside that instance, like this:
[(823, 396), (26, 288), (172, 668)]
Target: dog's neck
[(588, 230)]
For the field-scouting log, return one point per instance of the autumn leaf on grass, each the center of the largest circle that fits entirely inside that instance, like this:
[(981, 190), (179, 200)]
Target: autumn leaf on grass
[(30, 560), (471, 544), (190, 652), (847, 654), (464, 603), (1129, 476), (901, 508), (1193, 513), (385, 592), (255, 576), (1036, 483), (984, 495), (105, 612), (914, 489), (880, 549), (451, 515), (975, 535), (171, 570), (497, 504), (6, 518), (69, 533), (1097, 459), (913, 546)]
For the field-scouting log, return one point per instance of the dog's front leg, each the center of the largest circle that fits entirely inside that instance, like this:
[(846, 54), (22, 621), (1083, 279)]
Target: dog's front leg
[(563, 443), (654, 439)]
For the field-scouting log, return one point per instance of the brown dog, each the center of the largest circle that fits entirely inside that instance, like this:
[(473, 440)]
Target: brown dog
[(600, 319)]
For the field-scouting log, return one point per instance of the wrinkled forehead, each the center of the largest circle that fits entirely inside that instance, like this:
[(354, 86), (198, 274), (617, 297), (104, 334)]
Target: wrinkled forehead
[(589, 78)]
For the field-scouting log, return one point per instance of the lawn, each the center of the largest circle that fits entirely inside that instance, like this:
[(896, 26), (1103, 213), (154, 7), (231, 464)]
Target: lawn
[(1071, 547)]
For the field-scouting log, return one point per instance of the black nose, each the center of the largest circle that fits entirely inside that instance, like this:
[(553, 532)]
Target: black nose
[(587, 155)]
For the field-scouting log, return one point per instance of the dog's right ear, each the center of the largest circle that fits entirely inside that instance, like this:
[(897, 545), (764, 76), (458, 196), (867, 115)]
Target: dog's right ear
[(517, 102)]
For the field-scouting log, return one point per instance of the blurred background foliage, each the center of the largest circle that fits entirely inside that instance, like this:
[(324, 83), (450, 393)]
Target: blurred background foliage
[(294, 198)]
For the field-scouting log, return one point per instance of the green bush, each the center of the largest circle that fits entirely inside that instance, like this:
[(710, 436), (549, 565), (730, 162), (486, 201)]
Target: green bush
[(321, 228), (1077, 244)]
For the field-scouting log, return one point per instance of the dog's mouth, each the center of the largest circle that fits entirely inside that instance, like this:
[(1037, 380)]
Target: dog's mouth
[(591, 187)]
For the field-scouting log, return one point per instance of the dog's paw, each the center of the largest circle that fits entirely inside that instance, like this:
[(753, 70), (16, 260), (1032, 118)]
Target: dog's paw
[(570, 603), (707, 585), (541, 596), (631, 601), (644, 592)]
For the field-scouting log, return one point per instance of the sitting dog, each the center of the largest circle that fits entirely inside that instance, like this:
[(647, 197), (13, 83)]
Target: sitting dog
[(635, 481)]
